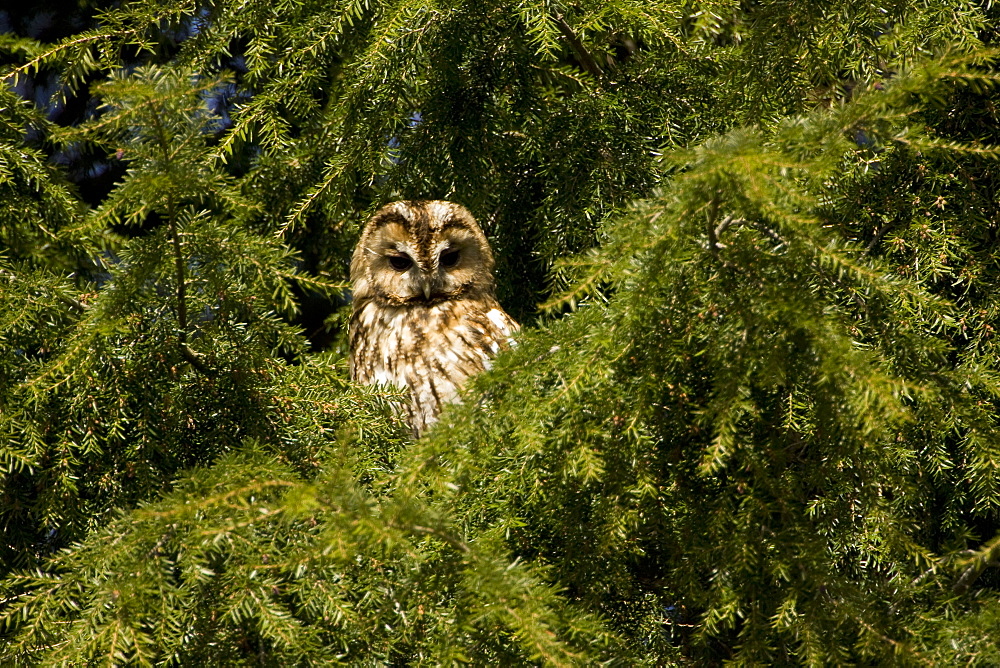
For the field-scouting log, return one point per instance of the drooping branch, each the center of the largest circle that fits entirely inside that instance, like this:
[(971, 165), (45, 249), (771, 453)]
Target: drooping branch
[(586, 60)]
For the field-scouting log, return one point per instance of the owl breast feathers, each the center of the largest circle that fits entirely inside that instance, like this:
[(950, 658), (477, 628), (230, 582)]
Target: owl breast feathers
[(425, 316)]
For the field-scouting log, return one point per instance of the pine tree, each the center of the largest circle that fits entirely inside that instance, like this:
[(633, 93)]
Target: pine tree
[(754, 419)]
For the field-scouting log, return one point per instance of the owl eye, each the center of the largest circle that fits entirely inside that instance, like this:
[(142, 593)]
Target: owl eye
[(449, 258), (400, 262)]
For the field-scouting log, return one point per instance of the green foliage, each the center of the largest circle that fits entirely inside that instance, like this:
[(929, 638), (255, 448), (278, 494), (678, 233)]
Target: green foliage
[(754, 422), (37, 201), (166, 360), (748, 431), (248, 558)]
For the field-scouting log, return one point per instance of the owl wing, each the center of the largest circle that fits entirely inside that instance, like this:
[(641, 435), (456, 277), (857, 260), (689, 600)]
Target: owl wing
[(502, 329)]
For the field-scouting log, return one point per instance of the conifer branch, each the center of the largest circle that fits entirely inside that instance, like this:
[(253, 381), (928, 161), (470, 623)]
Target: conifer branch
[(179, 263), (988, 555), (459, 545), (713, 229), (586, 59), (761, 227), (732, 221), (882, 231), (74, 304), (726, 223)]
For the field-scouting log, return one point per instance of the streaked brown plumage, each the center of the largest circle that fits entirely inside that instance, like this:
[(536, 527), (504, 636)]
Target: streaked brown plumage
[(425, 316)]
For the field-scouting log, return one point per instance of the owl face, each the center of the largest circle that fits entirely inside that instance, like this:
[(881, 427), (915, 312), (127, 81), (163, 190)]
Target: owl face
[(421, 252)]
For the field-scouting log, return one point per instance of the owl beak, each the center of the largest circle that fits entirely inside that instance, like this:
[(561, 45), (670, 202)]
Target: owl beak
[(427, 290)]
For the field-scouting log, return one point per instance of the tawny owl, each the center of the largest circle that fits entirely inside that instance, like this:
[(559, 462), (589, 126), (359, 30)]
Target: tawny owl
[(424, 316)]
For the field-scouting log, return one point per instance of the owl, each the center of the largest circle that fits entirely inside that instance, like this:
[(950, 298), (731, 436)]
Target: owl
[(424, 314)]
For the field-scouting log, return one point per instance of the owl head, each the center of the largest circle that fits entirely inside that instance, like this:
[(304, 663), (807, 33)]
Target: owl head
[(422, 252)]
